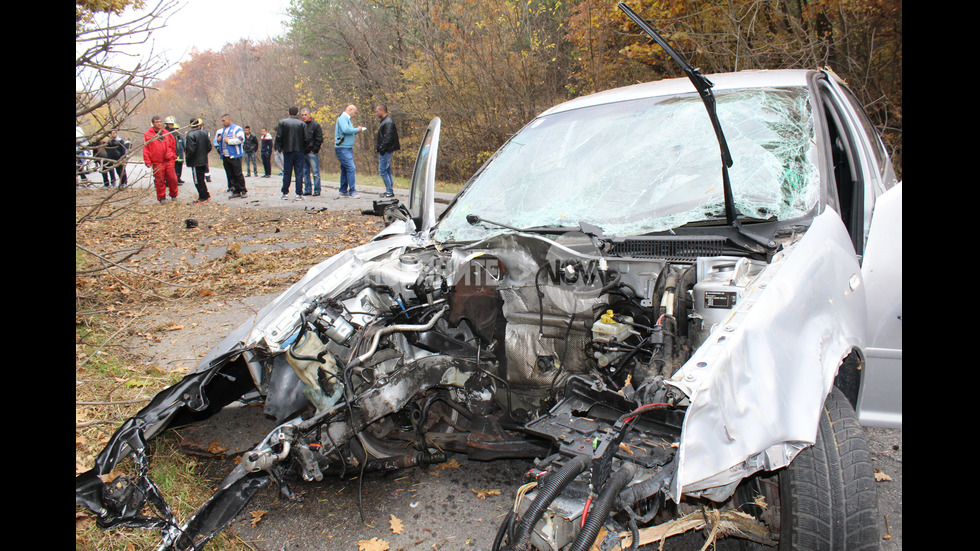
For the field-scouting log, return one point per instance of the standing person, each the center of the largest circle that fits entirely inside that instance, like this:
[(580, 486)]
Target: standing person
[(102, 163), (251, 146), (228, 140), (198, 145), (115, 151), (266, 153), (343, 136), (277, 153), (171, 125), (386, 143), (291, 141), (81, 152), (159, 154), (314, 139)]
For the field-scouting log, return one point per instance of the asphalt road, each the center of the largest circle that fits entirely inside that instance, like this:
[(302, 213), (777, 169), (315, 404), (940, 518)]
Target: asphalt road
[(459, 507), (267, 192)]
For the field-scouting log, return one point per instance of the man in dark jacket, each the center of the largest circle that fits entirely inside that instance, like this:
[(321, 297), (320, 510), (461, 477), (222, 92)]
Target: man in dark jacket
[(115, 150), (314, 139), (291, 141), (386, 144), (197, 145), (251, 145)]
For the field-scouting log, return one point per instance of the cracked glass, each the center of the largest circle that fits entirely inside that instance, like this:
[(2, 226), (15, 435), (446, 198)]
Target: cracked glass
[(647, 165)]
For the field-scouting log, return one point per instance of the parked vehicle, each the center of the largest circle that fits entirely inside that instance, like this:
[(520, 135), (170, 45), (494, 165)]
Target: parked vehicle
[(677, 295)]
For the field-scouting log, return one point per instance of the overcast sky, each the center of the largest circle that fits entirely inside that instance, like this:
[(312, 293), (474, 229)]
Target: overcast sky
[(210, 24)]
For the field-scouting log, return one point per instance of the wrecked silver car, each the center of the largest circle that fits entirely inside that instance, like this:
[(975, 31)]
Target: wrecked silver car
[(656, 304)]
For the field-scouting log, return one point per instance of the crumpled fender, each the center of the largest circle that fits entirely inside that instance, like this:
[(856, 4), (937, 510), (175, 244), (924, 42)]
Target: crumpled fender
[(225, 374), (757, 384)]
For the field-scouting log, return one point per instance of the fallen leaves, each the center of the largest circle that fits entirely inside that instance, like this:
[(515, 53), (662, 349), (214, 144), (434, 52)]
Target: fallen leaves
[(482, 494), (396, 524), (373, 544), (882, 477), (256, 517), (451, 464)]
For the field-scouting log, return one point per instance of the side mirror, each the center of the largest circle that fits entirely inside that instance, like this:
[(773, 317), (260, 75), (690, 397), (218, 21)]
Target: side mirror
[(389, 209)]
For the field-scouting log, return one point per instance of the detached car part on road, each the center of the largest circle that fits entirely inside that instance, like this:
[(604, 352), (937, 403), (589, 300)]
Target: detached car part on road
[(604, 296)]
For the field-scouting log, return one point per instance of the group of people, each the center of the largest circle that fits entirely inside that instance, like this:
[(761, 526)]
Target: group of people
[(298, 140), (109, 162)]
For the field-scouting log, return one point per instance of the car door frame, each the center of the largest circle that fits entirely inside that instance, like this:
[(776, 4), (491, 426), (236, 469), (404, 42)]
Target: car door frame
[(421, 197)]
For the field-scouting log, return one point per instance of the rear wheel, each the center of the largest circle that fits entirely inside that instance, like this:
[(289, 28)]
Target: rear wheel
[(827, 499)]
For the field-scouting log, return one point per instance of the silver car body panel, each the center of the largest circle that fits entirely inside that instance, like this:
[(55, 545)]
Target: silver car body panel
[(880, 401), (757, 384)]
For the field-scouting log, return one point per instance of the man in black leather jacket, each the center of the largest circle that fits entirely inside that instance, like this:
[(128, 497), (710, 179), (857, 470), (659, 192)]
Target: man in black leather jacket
[(386, 143), (291, 141), (314, 139)]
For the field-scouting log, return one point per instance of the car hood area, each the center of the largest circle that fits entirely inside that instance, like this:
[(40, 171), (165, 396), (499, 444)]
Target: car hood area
[(539, 334)]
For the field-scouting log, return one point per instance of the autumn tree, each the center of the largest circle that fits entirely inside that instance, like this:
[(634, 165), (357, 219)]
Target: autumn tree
[(861, 40), (252, 81), (110, 80)]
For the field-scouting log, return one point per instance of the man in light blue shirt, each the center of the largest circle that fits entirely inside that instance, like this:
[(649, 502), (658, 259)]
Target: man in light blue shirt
[(344, 132)]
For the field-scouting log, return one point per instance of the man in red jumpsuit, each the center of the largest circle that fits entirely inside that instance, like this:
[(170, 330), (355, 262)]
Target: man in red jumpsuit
[(159, 153)]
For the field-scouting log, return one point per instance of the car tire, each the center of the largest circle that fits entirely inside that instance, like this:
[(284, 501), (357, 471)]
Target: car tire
[(828, 499)]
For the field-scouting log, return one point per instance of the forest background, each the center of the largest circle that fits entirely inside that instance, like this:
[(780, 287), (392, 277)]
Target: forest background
[(487, 68)]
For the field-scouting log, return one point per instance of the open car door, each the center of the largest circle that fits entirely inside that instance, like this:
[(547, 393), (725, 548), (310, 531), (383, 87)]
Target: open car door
[(421, 198)]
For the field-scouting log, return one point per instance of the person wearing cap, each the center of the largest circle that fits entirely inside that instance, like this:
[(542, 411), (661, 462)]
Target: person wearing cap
[(197, 147), (228, 140), (159, 153), (170, 123)]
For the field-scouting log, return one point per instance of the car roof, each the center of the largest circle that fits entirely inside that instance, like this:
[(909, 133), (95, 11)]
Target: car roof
[(683, 85)]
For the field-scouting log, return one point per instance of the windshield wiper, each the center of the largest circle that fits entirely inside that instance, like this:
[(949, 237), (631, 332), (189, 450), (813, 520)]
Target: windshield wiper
[(584, 227), (707, 222), (703, 86)]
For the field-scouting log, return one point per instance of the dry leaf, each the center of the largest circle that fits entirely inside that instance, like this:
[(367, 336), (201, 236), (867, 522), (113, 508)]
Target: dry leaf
[(257, 516), (882, 477), (396, 524), (373, 544), (216, 447), (482, 494), (451, 464)]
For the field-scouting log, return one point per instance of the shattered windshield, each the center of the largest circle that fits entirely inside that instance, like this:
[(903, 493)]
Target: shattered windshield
[(647, 165)]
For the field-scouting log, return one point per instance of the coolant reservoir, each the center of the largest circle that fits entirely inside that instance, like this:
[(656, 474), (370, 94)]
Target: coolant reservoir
[(606, 329), (303, 359)]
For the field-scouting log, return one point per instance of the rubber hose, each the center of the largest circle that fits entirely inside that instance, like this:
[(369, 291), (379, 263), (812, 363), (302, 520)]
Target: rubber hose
[(648, 487), (502, 530), (549, 490), (601, 508)]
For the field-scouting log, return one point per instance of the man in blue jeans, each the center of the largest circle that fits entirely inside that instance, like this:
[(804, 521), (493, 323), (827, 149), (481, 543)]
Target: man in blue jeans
[(314, 139), (291, 141), (343, 139), (386, 143)]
